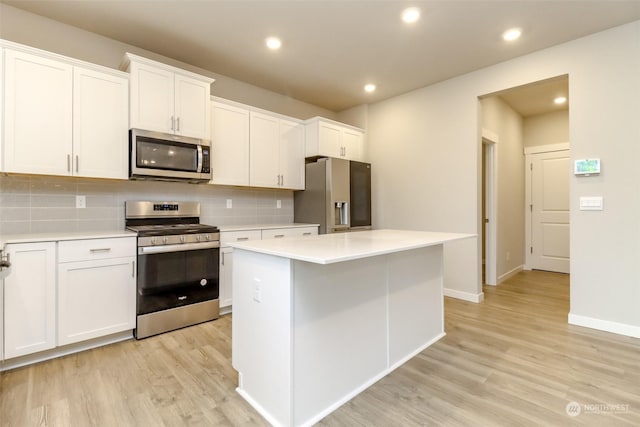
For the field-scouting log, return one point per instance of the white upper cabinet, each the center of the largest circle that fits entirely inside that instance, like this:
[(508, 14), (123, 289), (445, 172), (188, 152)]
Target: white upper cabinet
[(292, 154), (277, 152), (264, 160), (168, 99), (192, 107), (38, 103), (256, 148), (229, 144), (329, 138), (63, 117), (152, 98), (100, 119)]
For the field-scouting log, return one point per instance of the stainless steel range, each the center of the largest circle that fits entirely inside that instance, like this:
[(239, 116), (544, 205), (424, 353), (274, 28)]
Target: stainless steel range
[(178, 266)]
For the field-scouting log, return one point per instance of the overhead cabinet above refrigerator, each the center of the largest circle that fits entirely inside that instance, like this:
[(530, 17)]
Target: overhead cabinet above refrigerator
[(337, 195), (328, 138)]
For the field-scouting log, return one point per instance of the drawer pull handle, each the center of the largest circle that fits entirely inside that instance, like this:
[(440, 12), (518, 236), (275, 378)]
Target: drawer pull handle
[(278, 236), (94, 251), (242, 238), (306, 234)]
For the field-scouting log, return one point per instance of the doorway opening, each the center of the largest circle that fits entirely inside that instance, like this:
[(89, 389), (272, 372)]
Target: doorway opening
[(514, 122), (489, 207)]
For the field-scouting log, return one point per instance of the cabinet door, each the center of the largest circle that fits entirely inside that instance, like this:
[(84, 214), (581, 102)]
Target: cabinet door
[(100, 124), (353, 144), (192, 107), (30, 299), (95, 298), (329, 140), (292, 154), (37, 114), (152, 98), (226, 277), (229, 144), (264, 136)]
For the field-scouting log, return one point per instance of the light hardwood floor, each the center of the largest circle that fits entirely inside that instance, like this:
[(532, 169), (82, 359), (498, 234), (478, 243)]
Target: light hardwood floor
[(510, 361)]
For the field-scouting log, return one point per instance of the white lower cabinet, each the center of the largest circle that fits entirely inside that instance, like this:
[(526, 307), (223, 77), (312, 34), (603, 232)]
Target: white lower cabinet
[(30, 299), (60, 293), (97, 290), (226, 252), (279, 233), (225, 281)]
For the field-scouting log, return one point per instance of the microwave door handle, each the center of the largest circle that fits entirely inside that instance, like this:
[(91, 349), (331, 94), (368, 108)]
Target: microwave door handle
[(199, 169)]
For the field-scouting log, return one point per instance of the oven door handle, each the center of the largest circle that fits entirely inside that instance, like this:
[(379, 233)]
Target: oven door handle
[(177, 248)]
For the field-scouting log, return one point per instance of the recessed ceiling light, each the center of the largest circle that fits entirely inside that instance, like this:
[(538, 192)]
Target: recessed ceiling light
[(273, 43), (560, 100), (369, 88), (411, 15), (512, 34)]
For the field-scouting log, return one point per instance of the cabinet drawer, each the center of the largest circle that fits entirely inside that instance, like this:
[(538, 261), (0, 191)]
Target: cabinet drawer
[(277, 233), (85, 250), (227, 237)]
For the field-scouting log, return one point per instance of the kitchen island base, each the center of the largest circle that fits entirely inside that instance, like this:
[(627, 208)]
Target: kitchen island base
[(308, 337)]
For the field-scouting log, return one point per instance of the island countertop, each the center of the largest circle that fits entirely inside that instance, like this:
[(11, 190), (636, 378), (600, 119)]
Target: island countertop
[(339, 247)]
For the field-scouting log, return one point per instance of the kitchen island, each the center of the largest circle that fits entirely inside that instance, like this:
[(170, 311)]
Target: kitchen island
[(318, 319)]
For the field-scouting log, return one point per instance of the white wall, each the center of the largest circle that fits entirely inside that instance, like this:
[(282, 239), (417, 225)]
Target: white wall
[(426, 148), (27, 28), (545, 129), (502, 120)]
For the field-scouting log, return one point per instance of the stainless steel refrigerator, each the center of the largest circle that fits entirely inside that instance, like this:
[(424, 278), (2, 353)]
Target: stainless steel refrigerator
[(337, 196)]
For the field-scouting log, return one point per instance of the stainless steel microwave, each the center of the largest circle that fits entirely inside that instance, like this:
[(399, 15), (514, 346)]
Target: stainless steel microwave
[(155, 155)]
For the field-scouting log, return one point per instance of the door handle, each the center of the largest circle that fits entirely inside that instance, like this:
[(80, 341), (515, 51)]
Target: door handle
[(178, 124), (68, 162), (77, 163)]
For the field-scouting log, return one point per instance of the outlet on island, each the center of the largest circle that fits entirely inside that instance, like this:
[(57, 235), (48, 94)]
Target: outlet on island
[(257, 290)]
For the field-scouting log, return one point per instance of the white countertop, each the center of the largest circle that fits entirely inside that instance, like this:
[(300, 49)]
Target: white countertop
[(54, 237), (224, 228), (332, 248)]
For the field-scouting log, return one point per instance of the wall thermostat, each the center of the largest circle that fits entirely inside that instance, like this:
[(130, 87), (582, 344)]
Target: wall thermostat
[(586, 167)]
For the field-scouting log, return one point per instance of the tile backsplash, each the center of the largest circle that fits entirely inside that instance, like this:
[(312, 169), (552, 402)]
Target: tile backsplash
[(40, 204)]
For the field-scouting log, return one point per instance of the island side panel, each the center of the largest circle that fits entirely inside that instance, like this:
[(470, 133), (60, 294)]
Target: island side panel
[(416, 315), (262, 333), (340, 334)]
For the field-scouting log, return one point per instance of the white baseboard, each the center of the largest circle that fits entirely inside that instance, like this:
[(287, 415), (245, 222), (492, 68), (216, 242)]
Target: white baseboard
[(510, 274), (605, 325), (65, 350), (466, 296)]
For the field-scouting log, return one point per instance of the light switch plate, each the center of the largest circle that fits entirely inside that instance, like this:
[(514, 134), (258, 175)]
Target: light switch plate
[(278, 204), (81, 202), (229, 203), (591, 203)]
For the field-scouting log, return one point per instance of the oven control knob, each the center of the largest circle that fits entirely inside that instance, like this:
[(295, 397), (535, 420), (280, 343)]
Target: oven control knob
[(165, 240), (182, 239), (198, 237), (153, 240), (203, 282), (207, 237)]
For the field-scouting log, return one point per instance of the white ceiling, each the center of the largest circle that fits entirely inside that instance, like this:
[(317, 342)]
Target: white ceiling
[(331, 48)]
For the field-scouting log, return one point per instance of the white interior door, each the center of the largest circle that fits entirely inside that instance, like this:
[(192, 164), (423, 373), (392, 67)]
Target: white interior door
[(549, 199)]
